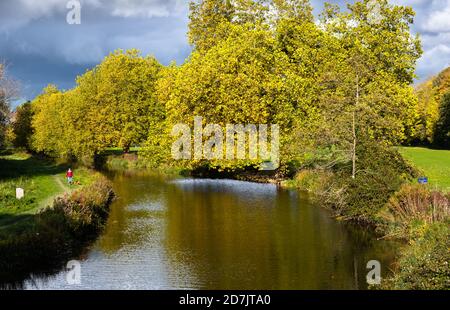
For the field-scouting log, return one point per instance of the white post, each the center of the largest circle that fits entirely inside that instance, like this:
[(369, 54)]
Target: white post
[(20, 193)]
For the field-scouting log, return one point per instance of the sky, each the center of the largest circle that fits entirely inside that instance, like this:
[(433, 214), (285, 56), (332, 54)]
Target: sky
[(40, 47)]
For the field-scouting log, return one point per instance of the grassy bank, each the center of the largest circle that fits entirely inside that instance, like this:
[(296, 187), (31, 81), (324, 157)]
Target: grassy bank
[(42, 180), (54, 221), (434, 164), (55, 235)]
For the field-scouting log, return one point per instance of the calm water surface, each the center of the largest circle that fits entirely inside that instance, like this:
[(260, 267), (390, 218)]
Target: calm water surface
[(221, 234)]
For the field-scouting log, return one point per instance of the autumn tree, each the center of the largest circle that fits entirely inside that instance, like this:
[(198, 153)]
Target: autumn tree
[(113, 105), (4, 114), (118, 99), (428, 111), (238, 81), (297, 11), (210, 20), (49, 128), (157, 147), (441, 85), (307, 48), (369, 79)]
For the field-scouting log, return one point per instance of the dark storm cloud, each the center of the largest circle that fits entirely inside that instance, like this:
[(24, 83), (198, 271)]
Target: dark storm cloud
[(42, 48)]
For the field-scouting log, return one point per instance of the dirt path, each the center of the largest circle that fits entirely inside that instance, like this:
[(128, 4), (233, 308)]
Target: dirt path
[(61, 184), (64, 189)]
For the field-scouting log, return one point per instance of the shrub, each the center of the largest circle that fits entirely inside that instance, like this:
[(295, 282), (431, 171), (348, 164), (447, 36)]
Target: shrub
[(381, 171), (86, 210), (311, 180), (416, 202), (414, 207), (424, 264)]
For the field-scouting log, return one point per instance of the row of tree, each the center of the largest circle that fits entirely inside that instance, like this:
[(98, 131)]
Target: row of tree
[(330, 84)]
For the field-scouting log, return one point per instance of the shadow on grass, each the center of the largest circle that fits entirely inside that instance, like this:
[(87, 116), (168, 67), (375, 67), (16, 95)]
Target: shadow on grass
[(31, 243), (14, 223), (33, 166)]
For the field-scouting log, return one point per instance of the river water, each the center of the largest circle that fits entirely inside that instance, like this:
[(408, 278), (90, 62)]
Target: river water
[(221, 234)]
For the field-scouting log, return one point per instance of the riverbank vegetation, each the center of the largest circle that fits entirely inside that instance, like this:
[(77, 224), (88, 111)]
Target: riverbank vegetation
[(339, 88), (424, 264), (44, 241), (54, 220)]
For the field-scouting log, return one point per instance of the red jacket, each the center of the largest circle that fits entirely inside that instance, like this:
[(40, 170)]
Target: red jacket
[(69, 174)]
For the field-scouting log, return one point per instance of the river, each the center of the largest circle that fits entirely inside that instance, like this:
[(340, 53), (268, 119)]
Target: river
[(221, 234)]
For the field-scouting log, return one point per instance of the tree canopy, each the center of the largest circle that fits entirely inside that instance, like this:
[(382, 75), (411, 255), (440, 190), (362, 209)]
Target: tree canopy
[(330, 84), (113, 105)]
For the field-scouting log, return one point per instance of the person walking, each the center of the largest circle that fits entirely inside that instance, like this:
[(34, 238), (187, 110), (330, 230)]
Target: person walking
[(69, 176)]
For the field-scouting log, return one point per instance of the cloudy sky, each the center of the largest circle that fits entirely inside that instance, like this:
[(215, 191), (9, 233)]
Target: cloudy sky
[(40, 47)]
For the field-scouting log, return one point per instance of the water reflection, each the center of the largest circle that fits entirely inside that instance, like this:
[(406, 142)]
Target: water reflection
[(247, 236), (221, 234)]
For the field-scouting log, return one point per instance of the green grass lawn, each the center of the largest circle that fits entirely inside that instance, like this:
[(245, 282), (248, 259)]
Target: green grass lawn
[(434, 164), (42, 181)]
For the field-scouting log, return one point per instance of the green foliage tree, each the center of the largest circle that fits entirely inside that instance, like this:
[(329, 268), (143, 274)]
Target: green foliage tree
[(368, 79), (430, 98), (21, 127), (442, 133)]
